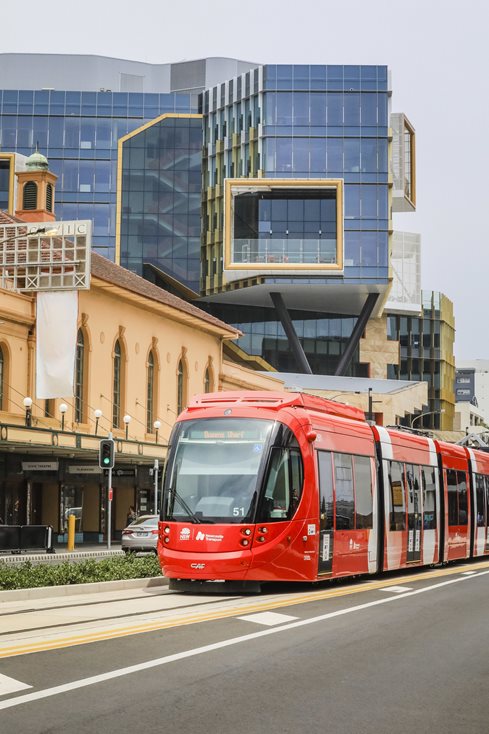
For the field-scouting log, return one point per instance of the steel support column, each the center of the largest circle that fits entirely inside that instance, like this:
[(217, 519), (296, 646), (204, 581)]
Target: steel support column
[(294, 343), (356, 334)]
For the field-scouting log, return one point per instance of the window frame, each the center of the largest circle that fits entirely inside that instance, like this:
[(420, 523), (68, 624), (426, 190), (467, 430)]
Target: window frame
[(117, 385), (150, 391), (182, 379), (395, 515), (30, 189)]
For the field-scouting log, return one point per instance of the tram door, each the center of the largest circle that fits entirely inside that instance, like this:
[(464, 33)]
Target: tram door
[(414, 513), (326, 535)]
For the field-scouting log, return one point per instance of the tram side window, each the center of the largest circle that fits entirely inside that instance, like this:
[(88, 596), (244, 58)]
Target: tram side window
[(325, 490), (429, 497), (462, 498), (283, 486), (457, 497), (343, 471), (398, 507), (481, 488), (452, 497), (363, 492), (480, 491)]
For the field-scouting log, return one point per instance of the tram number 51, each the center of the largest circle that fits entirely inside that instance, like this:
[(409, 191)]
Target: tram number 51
[(238, 511)]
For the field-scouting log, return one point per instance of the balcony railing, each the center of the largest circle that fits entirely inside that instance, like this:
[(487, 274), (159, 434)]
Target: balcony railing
[(289, 251)]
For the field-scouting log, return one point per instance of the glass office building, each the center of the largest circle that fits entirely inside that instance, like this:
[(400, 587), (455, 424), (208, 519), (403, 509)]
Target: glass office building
[(79, 133), (306, 123), (297, 202)]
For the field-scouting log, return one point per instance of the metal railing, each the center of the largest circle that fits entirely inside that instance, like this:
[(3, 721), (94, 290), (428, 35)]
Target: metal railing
[(285, 250)]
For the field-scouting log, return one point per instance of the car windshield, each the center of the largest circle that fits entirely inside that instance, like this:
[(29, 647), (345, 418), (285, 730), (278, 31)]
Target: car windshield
[(214, 471), (146, 520)]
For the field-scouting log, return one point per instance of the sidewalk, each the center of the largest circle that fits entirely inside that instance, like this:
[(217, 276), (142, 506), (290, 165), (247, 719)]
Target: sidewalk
[(60, 595)]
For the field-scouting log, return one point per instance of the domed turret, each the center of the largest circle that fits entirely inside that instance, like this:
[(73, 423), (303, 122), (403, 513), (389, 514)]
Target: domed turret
[(36, 186), (37, 162)]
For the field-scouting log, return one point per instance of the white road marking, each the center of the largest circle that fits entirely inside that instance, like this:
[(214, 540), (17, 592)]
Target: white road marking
[(93, 680), (397, 589), (268, 618), (10, 685), (468, 573)]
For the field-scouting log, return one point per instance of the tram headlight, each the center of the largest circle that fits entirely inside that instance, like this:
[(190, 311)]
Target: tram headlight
[(263, 530), (166, 530), (246, 531), (167, 539), (245, 542)]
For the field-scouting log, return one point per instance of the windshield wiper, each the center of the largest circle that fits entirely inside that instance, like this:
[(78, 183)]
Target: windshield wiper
[(187, 509)]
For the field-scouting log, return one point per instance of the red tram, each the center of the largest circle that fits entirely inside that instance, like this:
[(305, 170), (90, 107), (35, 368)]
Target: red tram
[(263, 486)]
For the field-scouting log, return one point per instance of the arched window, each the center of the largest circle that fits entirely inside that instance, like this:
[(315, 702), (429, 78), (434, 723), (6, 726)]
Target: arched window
[(117, 386), (208, 379), (181, 386), (2, 379), (49, 197), (150, 393), (80, 377), (29, 195)]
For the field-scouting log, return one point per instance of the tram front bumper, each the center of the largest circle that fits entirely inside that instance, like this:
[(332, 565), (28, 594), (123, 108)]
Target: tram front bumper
[(189, 565)]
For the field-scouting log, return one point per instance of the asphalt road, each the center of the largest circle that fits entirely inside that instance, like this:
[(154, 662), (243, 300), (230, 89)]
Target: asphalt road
[(408, 657)]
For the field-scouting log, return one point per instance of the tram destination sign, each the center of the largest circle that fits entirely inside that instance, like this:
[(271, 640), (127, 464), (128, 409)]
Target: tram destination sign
[(236, 431)]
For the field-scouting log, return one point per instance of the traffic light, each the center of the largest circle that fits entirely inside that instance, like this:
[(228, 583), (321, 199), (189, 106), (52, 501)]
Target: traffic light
[(106, 453)]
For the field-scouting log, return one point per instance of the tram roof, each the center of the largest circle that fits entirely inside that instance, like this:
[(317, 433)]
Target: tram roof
[(276, 401)]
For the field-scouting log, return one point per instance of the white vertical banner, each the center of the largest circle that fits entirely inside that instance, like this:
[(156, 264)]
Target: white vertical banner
[(56, 332)]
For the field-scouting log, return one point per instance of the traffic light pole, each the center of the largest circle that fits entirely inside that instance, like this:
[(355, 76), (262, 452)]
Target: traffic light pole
[(109, 503), (109, 507)]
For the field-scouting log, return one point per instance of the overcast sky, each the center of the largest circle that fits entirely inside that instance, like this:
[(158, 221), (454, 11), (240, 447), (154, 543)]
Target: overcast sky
[(437, 53)]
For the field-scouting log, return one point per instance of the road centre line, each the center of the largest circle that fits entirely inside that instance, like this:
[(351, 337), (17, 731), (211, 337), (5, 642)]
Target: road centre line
[(157, 662), (154, 625)]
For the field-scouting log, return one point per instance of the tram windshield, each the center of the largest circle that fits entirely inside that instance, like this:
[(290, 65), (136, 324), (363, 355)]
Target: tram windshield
[(213, 473)]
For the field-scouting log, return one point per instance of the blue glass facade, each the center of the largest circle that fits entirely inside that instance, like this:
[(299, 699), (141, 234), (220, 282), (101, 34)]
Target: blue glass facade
[(306, 122), (299, 123), (79, 133), (160, 199)]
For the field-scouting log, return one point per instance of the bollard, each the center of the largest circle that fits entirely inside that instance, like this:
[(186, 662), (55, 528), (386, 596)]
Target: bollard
[(71, 532)]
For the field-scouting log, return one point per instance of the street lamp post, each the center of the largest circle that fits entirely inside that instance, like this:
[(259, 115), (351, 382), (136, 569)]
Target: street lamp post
[(429, 412), (98, 414), (127, 420), (62, 409), (156, 426), (28, 411)]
